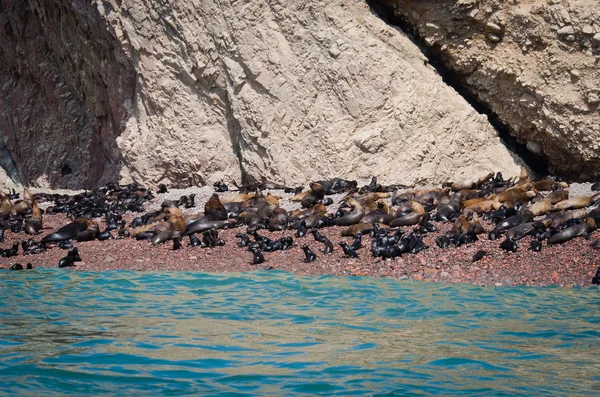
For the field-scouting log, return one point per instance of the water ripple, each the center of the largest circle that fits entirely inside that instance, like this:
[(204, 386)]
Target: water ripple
[(273, 333)]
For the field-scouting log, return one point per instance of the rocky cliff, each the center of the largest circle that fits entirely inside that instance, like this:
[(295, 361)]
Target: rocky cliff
[(534, 63), (188, 91)]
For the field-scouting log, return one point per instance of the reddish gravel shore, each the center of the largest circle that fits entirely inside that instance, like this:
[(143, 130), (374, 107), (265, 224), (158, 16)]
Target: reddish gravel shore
[(570, 264)]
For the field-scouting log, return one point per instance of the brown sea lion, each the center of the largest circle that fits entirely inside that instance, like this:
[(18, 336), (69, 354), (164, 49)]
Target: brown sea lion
[(461, 225), (278, 220), (412, 206), (481, 207), (235, 198), (353, 230), (431, 197), (471, 183), (524, 179), (175, 221), (300, 196), (514, 195), (33, 224), (473, 201), (5, 205), (573, 203), (214, 209), (399, 197), (89, 233), (301, 214), (272, 199), (540, 207), (558, 195), (352, 217), (549, 186)]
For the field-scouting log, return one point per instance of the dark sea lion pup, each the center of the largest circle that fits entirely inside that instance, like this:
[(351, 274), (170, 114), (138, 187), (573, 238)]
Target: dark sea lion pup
[(258, 256), (596, 278), (309, 255), (349, 252)]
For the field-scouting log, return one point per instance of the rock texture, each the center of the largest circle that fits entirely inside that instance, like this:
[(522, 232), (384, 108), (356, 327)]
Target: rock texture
[(189, 91), (535, 63)]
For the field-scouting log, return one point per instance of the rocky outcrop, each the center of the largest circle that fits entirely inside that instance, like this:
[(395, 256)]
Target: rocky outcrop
[(535, 64), (186, 92), (65, 83)]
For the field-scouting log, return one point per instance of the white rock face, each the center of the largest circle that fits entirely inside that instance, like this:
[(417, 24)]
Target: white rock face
[(193, 91)]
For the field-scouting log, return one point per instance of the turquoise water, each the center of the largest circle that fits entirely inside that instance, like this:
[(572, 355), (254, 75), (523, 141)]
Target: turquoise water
[(273, 333)]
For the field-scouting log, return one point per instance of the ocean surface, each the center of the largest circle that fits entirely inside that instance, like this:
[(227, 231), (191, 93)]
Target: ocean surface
[(276, 334)]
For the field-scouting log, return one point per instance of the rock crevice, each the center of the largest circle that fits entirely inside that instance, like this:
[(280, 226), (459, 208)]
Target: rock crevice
[(534, 64)]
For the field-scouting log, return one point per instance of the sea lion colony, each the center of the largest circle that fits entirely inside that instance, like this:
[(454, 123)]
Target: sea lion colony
[(394, 218)]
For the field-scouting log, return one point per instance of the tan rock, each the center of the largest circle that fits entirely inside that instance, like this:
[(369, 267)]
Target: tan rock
[(188, 92), (542, 44)]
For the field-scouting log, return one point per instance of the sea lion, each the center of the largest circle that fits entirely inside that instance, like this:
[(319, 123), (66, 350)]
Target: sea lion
[(33, 224), (558, 196), (348, 252), (5, 205), (352, 217), (509, 245), (573, 203), (513, 221), (540, 207), (412, 206), (309, 255), (570, 233), (214, 209), (376, 217), (358, 228), (515, 195), (303, 214), (236, 198), (473, 201), (162, 236), (278, 220), (518, 232), (89, 233), (524, 179), (203, 225), (481, 207), (431, 197), (559, 220), (258, 257), (400, 197), (461, 225), (175, 221), (548, 185), (411, 219), (471, 183), (312, 221), (67, 232), (446, 212)]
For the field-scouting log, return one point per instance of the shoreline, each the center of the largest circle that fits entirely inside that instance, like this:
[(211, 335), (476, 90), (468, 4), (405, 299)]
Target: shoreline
[(571, 264)]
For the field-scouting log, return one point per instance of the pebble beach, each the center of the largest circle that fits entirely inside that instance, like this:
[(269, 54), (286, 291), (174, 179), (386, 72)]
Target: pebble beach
[(571, 264)]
